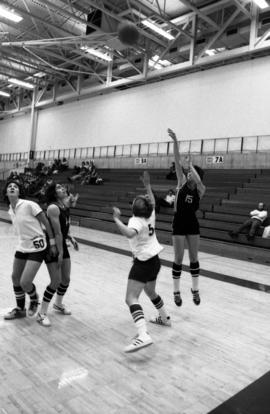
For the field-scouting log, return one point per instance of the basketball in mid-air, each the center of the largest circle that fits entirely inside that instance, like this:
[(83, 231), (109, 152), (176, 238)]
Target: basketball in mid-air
[(128, 33)]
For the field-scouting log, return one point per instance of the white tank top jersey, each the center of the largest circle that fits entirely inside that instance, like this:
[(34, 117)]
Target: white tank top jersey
[(144, 245), (31, 236)]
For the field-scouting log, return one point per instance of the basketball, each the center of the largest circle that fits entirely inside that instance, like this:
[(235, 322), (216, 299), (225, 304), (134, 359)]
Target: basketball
[(128, 33)]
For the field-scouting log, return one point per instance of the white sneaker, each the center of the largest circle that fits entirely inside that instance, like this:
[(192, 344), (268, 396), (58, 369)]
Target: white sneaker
[(139, 342), (62, 309), (159, 321), (43, 319)]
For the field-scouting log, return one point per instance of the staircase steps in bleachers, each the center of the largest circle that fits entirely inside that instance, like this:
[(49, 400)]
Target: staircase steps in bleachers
[(231, 218), (253, 191)]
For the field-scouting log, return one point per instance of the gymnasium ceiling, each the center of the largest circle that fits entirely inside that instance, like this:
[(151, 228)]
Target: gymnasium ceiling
[(45, 47)]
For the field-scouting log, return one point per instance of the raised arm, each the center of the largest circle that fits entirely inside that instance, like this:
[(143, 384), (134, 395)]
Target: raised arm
[(197, 179), (146, 182), (178, 167), (125, 230)]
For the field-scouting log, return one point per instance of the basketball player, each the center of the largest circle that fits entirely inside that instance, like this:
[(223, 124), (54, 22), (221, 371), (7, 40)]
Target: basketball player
[(59, 268), (145, 249), (190, 190), (28, 219)]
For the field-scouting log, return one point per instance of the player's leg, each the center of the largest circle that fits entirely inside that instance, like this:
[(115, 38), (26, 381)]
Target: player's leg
[(179, 248), (55, 276), (163, 318), (18, 267), (142, 339), (30, 270), (63, 287), (193, 242)]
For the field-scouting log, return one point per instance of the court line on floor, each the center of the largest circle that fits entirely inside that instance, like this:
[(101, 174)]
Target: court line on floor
[(203, 272)]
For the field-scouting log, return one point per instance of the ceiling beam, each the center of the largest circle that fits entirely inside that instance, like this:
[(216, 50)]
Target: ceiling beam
[(207, 19), (219, 33), (37, 18), (241, 7)]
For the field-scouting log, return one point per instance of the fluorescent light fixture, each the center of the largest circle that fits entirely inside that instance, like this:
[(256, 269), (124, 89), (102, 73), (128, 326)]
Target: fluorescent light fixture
[(7, 95), (21, 83), (153, 64), (261, 3), (210, 52), (125, 66), (10, 15), (157, 63), (157, 29), (97, 53), (163, 62), (39, 74)]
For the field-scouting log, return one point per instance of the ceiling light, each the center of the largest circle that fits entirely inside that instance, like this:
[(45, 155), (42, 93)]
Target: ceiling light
[(9, 15), (97, 53), (153, 64), (7, 95), (162, 62), (157, 29), (210, 52), (21, 83), (261, 3), (39, 74)]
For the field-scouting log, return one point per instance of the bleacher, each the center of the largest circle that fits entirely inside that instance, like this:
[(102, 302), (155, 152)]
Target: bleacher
[(230, 196)]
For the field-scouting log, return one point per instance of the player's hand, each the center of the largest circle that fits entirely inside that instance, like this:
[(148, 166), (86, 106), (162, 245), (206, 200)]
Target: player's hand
[(53, 251), (172, 134), (74, 243), (116, 212), (145, 178)]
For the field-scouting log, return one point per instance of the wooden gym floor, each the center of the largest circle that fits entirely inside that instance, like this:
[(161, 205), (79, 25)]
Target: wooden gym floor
[(78, 366)]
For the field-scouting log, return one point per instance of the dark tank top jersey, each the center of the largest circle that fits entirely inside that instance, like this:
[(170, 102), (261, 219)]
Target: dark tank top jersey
[(64, 220), (187, 202)]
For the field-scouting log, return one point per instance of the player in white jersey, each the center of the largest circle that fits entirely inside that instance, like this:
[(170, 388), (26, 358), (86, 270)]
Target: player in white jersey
[(28, 219), (145, 249)]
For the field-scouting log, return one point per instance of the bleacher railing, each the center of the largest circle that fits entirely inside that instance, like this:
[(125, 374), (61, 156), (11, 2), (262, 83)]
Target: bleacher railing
[(201, 146)]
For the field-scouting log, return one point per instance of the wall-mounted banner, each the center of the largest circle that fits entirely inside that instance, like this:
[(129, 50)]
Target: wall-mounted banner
[(215, 159), (140, 161)]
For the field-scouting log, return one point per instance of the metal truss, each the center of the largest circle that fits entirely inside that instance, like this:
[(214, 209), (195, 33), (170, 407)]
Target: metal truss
[(50, 37)]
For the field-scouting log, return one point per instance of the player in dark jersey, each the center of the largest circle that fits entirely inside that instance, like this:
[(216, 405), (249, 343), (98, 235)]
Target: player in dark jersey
[(190, 190), (59, 269)]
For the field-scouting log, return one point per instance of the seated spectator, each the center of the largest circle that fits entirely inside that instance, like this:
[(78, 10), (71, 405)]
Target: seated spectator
[(257, 217), (83, 171), (99, 180), (64, 165), (167, 201), (172, 173)]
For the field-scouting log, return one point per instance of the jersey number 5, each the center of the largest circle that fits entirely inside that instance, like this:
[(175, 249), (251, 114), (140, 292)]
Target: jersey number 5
[(151, 230)]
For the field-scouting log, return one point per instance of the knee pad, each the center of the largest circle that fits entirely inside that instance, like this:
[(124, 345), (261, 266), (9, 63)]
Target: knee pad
[(176, 270), (194, 269)]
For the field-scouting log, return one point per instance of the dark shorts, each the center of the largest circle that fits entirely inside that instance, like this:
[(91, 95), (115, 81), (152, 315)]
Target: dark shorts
[(35, 256), (145, 271), (49, 259), (184, 226)]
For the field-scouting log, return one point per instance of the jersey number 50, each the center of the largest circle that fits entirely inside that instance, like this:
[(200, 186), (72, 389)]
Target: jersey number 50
[(39, 244)]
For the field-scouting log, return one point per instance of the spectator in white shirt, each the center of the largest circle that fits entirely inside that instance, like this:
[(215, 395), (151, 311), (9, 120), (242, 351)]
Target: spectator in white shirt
[(256, 219), (167, 201)]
